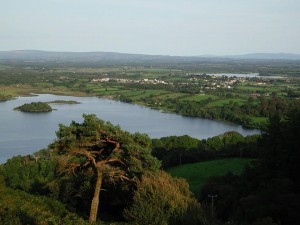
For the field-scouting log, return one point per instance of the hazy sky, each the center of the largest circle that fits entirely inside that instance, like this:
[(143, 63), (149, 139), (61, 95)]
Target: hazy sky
[(169, 27)]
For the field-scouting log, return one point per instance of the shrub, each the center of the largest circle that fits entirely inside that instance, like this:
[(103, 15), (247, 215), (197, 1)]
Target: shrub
[(163, 200)]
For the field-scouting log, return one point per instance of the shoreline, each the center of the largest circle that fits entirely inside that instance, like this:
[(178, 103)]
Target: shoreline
[(31, 92)]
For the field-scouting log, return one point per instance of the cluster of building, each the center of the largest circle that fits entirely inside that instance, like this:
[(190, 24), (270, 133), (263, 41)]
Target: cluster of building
[(143, 81)]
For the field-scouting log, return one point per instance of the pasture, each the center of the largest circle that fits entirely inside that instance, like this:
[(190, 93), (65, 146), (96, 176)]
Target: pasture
[(197, 174)]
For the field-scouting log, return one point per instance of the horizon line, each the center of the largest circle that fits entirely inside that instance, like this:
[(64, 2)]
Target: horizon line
[(129, 53)]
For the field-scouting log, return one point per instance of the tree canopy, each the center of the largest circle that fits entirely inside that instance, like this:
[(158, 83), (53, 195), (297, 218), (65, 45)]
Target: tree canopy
[(104, 152), (269, 190), (35, 107)]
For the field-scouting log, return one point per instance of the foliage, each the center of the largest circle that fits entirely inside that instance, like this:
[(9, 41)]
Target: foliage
[(175, 151), (29, 174), (228, 139), (35, 107), (270, 188), (267, 193), (18, 207), (97, 152), (233, 144), (163, 200)]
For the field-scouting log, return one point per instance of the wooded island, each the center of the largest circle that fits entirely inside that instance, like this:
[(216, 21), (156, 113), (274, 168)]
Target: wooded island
[(35, 107)]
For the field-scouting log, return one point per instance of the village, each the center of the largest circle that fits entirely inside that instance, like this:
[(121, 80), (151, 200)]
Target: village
[(203, 82)]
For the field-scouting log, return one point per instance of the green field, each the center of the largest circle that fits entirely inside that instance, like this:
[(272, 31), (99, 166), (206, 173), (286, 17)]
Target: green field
[(171, 95), (197, 174), (149, 93), (222, 102), (260, 119), (198, 98)]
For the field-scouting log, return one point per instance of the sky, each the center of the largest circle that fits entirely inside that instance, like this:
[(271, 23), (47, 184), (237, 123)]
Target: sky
[(157, 27)]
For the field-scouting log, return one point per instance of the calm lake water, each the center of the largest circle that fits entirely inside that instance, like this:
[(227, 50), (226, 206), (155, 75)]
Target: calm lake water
[(244, 75), (24, 133), (241, 75)]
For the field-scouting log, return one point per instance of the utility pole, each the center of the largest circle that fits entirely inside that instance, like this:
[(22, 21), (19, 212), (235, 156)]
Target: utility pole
[(212, 203)]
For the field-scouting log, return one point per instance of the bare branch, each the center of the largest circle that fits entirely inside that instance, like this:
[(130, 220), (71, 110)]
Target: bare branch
[(83, 152), (101, 163)]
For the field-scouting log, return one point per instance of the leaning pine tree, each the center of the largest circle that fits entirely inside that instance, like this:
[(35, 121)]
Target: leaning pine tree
[(104, 150)]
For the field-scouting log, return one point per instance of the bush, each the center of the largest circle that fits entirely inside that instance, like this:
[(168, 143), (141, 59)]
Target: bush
[(18, 207), (163, 200)]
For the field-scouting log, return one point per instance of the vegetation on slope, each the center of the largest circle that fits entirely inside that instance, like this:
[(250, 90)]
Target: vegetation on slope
[(18, 208), (95, 161), (265, 193), (268, 192)]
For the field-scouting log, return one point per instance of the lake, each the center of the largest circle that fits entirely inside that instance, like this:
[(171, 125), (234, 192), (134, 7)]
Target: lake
[(240, 75), (24, 133), (244, 75)]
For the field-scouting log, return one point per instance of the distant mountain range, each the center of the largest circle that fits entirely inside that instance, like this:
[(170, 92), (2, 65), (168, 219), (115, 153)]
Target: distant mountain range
[(113, 57), (90, 57), (268, 56)]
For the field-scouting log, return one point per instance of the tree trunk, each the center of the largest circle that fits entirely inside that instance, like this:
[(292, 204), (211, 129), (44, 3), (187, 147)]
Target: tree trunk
[(95, 201)]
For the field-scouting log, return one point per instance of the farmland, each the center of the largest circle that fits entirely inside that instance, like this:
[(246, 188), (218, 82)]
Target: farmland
[(185, 89)]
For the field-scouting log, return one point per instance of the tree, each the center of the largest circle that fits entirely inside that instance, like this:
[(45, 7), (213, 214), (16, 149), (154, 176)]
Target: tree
[(103, 150), (35, 107), (268, 191), (25, 173), (163, 200)]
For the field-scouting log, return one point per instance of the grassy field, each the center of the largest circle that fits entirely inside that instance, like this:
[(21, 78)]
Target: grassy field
[(260, 119), (171, 95), (149, 93), (15, 91), (25, 90), (197, 174), (198, 98), (222, 102)]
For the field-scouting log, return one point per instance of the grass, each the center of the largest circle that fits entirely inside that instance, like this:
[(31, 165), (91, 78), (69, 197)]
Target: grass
[(260, 119), (4, 67), (197, 174), (132, 93), (269, 89), (25, 90), (222, 102), (171, 95), (15, 91), (198, 98), (251, 88), (149, 93)]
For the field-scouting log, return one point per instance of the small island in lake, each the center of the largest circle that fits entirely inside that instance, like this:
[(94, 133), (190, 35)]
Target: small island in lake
[(63, 102), (35, 107)]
